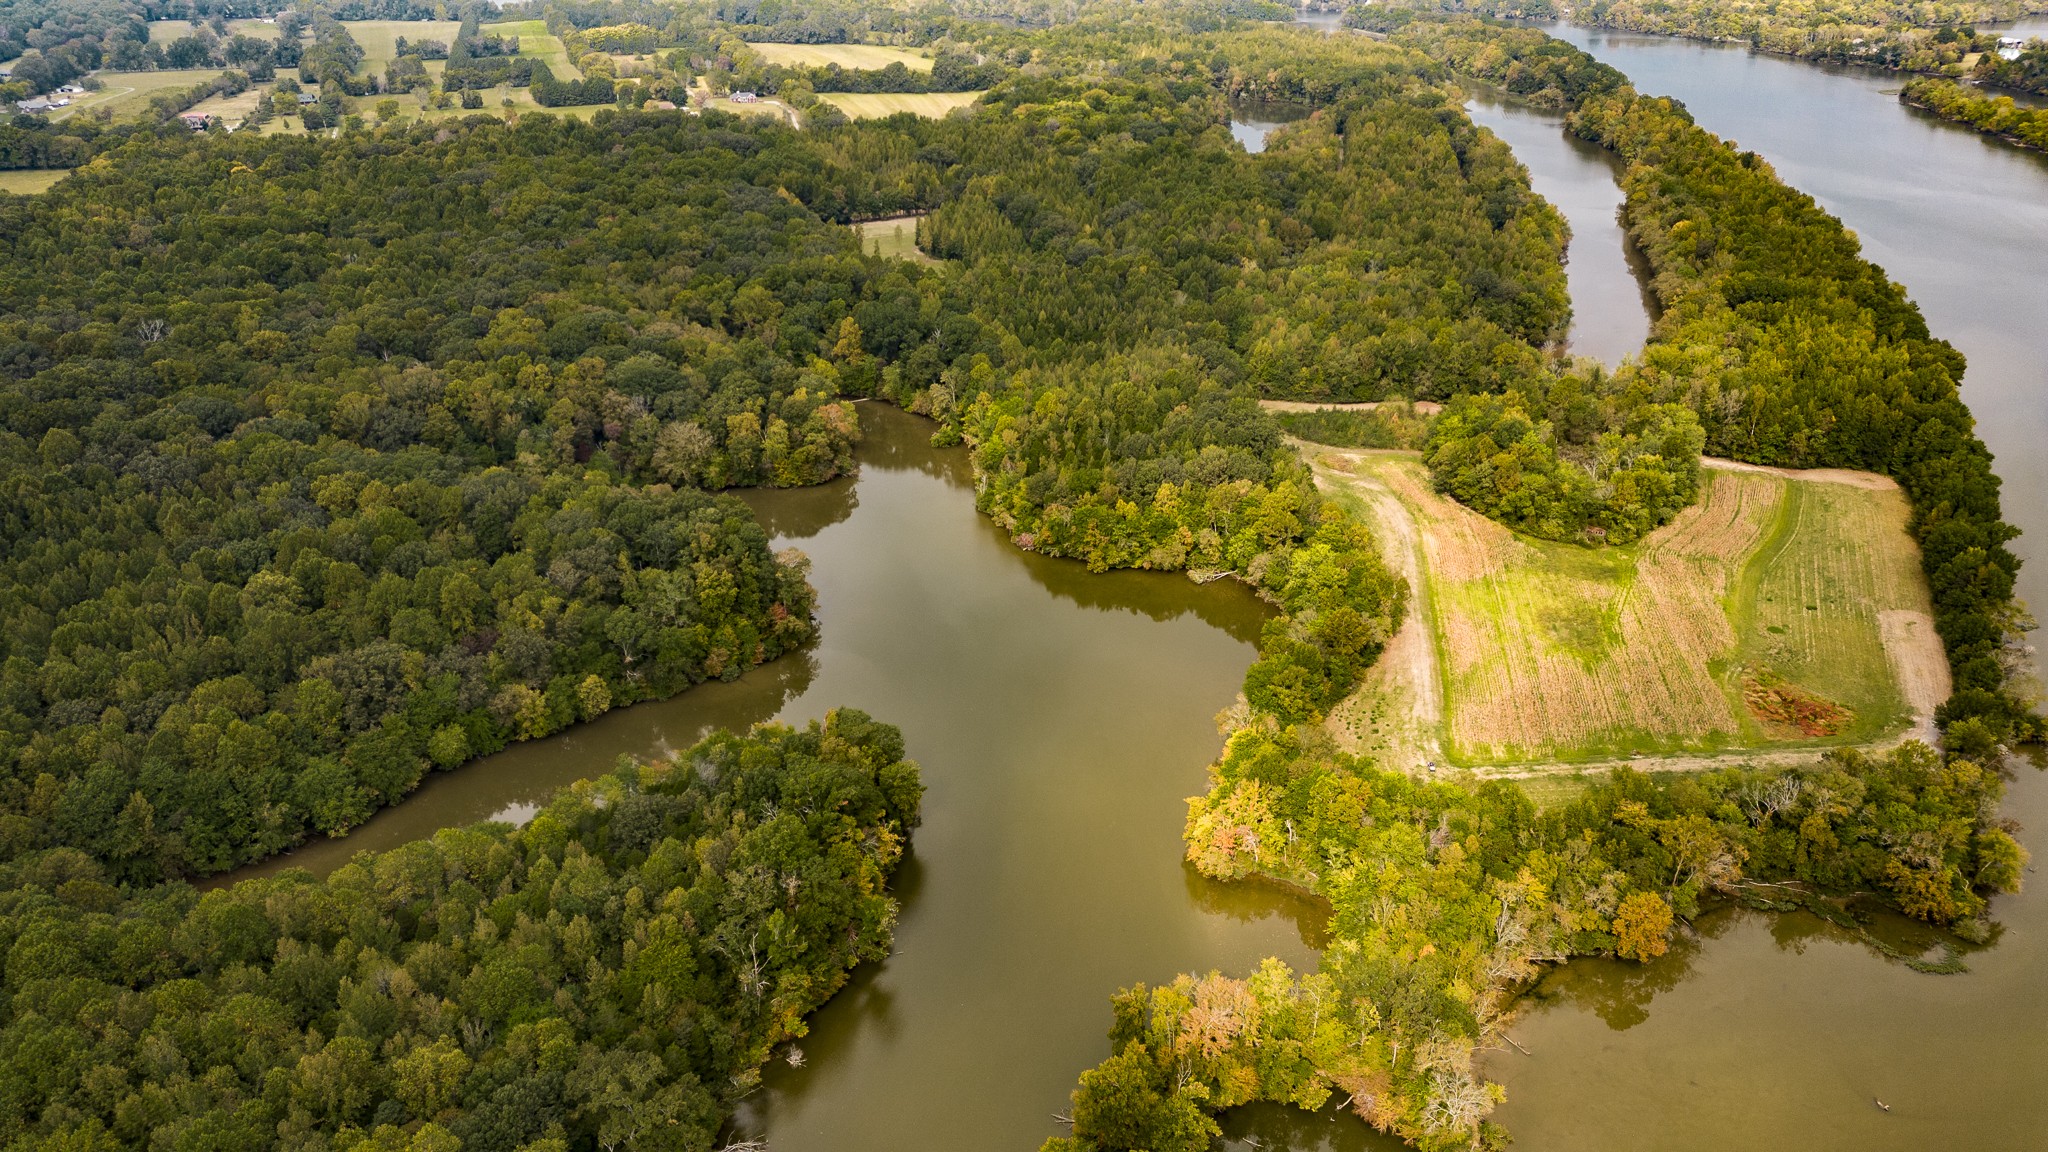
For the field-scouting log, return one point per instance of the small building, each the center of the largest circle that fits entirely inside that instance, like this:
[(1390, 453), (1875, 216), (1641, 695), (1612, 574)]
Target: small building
[(306, 98), (71, 90), (34, 105), (196, 121), (2010, 47), (744, 97)]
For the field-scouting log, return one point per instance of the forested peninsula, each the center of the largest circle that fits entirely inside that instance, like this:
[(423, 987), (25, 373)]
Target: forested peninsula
[(333, 460), (1992, 115)]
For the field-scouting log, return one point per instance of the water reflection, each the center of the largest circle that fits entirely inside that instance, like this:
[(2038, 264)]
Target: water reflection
[(1061, 717), (1273, 1127), (1612, 306), (800, 513), (1253, 122)]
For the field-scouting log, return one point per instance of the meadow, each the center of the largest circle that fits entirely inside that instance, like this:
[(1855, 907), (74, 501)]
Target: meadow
[(538, 44), (29, 181), (164, 32), (1780, 611), (128, 93), (854, 57), (894, 238), (873, 105)]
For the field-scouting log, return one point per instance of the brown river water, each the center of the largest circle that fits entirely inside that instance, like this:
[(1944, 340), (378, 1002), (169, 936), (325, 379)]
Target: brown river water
[(1062, 717)]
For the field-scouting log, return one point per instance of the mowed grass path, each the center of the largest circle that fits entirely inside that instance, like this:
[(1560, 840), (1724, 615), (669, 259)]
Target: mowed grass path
[(1556, 653), (873, 105), (854, 57)]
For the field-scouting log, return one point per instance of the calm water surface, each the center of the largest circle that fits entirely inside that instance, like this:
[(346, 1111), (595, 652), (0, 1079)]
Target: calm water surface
[(1061, 718), (1611, 307)]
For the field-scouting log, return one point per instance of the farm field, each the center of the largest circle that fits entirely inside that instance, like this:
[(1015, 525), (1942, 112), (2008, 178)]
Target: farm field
[(1782, 611), (379, 39), (770, 109), (164, 32), (537, 43), (872, 105), (893, 238), (128, 93), (853, 57), (29, 181)]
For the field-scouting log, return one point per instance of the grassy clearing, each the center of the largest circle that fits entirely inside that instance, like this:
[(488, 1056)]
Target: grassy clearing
[(873, 105), (854, 57), (127, 94), (537, 43), (29, 181), (1553, 652), (894, 238), (164, 32), (234, 108), (379, 38)]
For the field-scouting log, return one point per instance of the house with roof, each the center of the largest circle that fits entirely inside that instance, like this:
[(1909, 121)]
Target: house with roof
[(196, 121)]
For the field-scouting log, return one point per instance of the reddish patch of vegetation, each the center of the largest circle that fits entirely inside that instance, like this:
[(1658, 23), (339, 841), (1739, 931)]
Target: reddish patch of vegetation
[(1772, 699)]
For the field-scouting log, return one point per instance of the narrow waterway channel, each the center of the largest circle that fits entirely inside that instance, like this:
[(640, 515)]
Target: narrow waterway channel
[(1611, 306), (1061, 718)]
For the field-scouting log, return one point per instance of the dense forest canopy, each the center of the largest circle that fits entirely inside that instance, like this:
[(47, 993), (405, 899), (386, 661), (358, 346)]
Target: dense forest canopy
[(612, 974)]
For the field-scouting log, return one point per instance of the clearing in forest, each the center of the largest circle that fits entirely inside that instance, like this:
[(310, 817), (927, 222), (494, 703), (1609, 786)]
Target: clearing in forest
[(873, 105), (894, 238), (1784, 610), (853, 57), (29, 181), (536, 43)]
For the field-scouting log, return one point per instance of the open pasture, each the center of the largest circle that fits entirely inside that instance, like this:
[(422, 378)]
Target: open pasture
[(379, 39), (29, 181), (1771, 588), (127, 94), (538, 44), (163, 33), (235, 108), (874, 105), (853, 57)]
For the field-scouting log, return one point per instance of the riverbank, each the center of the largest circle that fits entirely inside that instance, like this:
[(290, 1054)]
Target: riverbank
[(1999, 117)]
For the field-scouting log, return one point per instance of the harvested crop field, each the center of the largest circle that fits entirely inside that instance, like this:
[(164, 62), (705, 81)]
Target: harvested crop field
[(853, 57), (1778, 611), (872, 105)]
